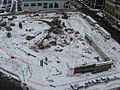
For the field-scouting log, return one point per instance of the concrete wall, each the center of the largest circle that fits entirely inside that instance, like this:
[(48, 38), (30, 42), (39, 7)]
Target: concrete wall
[(101, 53), (96, 47)]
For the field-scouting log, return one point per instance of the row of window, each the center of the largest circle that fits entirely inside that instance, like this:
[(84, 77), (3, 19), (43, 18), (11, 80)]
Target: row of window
[(116, 2), (45, 5), (42, 0)]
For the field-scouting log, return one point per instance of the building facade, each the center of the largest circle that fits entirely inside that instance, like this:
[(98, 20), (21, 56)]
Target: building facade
[(94, 4), (112, 10), (0, 1), (36, 5)]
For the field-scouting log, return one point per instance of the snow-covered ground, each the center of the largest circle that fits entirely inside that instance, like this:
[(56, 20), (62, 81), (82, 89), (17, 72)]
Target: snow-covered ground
[(23, 57)]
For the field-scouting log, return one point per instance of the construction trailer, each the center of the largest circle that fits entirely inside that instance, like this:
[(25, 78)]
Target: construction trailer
[(84, 69), (93, 68), (102, 67)]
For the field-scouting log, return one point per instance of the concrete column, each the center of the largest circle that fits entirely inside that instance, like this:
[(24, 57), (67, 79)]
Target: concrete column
[(94, 4)]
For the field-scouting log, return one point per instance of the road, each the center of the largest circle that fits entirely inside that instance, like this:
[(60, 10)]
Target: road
[(114, 32), (6, 84)]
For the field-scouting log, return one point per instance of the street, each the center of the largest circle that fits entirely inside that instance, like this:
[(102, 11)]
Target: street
[(6, 84)]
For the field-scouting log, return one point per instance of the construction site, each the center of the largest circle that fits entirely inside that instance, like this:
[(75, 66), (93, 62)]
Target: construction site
[(53, 50)]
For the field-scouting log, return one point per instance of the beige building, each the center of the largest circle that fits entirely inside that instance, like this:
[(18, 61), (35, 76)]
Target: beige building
[(112, 10)]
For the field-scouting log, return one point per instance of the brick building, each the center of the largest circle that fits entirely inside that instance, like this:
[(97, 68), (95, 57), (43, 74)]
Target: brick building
[(94, 4), (112, 10)]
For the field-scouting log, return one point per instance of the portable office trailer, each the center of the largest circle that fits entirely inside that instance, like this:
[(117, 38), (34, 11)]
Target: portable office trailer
[(84, 69), (102, 66), (88, 68)]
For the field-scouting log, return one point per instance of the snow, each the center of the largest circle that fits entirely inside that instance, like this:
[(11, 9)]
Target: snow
[(100, 14), (18, 57)]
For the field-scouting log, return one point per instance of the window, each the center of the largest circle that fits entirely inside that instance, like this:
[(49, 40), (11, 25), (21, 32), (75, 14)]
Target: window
[(33, 4), (39, 4), (45, 5), (50, 5), (67, 2), (26, 5), (66, 6), (56, 5)]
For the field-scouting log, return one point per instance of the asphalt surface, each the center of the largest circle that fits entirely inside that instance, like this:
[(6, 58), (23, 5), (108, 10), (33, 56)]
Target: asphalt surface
[(6, 84), (103, 23)]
